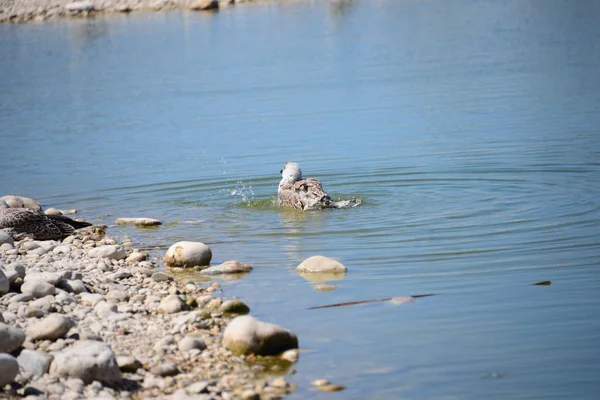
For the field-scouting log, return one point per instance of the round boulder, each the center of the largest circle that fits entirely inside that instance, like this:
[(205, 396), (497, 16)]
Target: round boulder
[(247, 335), (188, 254), (321, 264)]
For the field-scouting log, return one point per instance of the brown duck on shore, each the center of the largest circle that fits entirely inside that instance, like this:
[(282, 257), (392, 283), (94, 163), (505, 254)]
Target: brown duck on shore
[(26, 222)]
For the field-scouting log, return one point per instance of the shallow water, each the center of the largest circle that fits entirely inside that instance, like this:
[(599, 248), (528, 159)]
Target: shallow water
[(469, 129)]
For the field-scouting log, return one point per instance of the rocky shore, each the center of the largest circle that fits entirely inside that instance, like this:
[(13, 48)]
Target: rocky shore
[(40, 10), (91, 317)]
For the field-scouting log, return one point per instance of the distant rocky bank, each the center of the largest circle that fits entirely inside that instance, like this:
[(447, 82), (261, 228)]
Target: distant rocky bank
[(40, 10)]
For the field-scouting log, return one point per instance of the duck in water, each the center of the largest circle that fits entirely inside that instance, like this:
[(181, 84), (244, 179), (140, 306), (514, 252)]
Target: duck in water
[(26, 222), (305, 194)]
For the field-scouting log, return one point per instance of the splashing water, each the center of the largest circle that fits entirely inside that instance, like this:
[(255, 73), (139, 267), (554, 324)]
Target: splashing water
[(244, 191)]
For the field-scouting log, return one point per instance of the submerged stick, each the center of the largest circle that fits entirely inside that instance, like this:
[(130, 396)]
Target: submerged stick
[(351, 303)]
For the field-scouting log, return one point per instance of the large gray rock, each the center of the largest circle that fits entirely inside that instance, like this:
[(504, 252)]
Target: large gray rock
[(37, 288), (11, 338), (52, 327), (228, 267), (112, 251), (89, 361), (188, 254), (9, 368), (34, 362), (21, 202), (4, 283), (247, 335), (321, 264)]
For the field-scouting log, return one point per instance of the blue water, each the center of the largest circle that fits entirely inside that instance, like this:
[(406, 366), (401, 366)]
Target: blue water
[(470, 130)]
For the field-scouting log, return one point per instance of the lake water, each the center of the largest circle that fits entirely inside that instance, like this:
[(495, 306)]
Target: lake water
[(470, 130)]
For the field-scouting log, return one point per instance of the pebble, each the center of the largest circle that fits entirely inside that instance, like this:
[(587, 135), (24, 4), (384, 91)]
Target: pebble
[(399, 300), (228, 267), (44, 303), (37, 288), (52, 327), (72, 286), (34, 362), (112, 252), (62, 249), (18, 267), (331, 388), (91, 299), (11, 276), (4, 283), (5, 238), (51, 278), (291, 355), (171, 304), (161, 277), (9, 368), (138, 221), (250, 394), (89, 361), (118, 295), (165, 369), (321, 264), (234, 307), (128, 363), (248, 335), (137, 256), (197, 387), (189, 343), (325, 287), (11, 338)]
